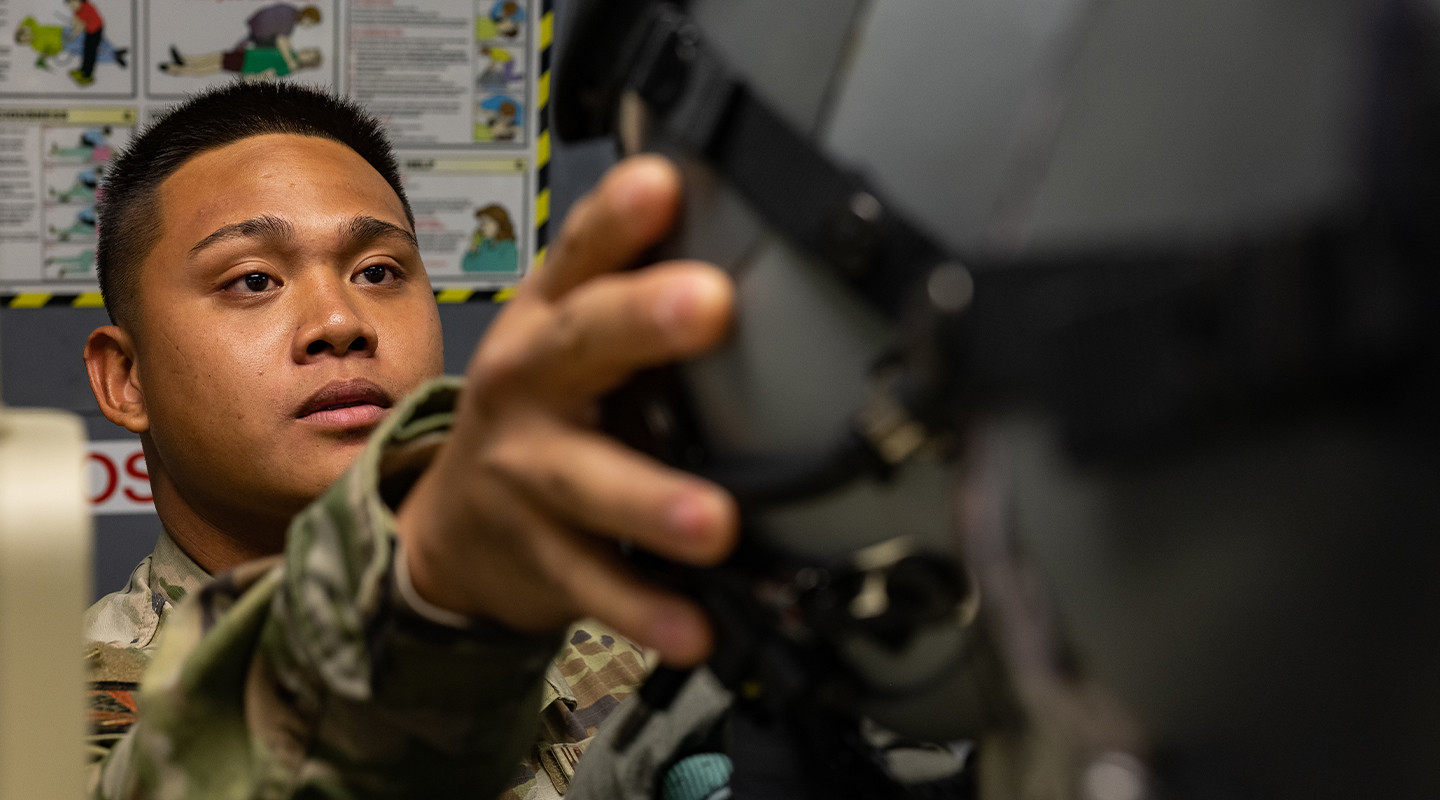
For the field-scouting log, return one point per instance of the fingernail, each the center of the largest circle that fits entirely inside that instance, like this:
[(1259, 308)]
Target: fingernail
[(676, 304), (688, 515)]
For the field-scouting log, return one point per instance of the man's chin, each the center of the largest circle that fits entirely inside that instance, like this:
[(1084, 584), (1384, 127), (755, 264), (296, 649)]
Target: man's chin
[(332, 451), (327, 465)]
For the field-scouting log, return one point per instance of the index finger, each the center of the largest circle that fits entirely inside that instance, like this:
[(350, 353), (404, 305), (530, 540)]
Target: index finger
[(609, 228)]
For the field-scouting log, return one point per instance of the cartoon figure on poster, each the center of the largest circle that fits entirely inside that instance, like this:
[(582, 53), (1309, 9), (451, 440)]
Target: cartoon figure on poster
[(81, 230), (266, 51), (80, 41), (492, 246), (501, 68), (505, 20), (250, 63), (93, 147), (84, 189), (499, 119)]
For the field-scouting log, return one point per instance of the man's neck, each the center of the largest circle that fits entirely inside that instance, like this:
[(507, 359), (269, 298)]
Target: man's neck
[(216, 550), (216, 541)]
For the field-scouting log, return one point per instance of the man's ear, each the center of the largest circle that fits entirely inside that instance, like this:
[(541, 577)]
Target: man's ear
[(115, 378)]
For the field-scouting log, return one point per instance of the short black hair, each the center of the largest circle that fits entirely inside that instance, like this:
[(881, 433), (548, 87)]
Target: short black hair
[(129, 214)]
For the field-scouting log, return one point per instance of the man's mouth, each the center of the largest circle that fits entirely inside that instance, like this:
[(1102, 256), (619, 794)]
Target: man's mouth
[(350, 403)]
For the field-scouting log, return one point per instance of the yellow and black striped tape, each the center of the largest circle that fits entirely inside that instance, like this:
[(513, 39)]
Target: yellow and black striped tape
[(542, 139), (93, 299), (47, 300)]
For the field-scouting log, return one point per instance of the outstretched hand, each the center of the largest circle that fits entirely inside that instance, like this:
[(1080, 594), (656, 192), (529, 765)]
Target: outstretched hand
[(516, 519)]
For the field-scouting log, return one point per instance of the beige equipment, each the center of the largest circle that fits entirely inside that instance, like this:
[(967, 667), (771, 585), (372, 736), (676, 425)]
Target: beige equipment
[(45, 551)]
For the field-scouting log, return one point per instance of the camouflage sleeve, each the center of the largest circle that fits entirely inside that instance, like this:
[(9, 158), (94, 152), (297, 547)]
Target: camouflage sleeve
[(306, 675)]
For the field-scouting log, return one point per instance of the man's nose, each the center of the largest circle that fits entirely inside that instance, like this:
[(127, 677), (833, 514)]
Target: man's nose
[(333, 324)]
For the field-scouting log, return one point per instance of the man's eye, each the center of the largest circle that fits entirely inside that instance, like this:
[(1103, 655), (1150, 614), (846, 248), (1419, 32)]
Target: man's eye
[(376, 273), (257, 282)]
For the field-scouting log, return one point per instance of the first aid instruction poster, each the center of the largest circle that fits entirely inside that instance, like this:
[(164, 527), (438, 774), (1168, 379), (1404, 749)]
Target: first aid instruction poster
[(457, 83)]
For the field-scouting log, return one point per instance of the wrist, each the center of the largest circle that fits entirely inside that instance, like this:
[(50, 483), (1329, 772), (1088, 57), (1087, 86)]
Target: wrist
[(412, 601), (417, 527)]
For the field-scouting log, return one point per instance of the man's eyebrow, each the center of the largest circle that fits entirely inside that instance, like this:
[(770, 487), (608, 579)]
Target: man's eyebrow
[(357, 232), (261, 227), (360, 231)]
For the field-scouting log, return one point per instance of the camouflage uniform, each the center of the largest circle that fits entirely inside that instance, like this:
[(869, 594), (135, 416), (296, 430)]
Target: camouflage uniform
[(308, 674)]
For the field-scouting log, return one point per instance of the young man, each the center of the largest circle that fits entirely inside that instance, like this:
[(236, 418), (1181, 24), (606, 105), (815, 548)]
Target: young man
[(275, 341)]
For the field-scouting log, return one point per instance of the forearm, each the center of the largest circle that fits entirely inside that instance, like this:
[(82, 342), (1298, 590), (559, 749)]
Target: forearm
[(282, 43), (402, 705), (312, 676)]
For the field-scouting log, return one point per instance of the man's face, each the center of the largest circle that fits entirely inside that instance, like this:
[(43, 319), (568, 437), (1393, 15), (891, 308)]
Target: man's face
[(283, 311)]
